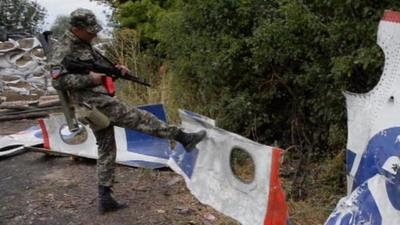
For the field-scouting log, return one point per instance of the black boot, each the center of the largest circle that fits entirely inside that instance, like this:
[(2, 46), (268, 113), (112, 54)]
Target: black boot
[(107, 202), (190, 140)]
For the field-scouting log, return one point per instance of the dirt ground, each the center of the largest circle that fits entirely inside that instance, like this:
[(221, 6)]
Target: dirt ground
[(40, 189)]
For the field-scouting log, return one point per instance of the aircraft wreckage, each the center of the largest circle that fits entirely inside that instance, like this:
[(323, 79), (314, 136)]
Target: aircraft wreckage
[(22, 66), (373, 151), (206, 170), (373, 145)]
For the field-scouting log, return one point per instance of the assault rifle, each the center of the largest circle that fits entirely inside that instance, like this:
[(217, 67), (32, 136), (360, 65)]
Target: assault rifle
[(79, 66)]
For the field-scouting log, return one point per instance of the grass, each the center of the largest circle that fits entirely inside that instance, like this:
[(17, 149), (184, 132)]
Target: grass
[(125, 50), (326, 184), (159, 93)]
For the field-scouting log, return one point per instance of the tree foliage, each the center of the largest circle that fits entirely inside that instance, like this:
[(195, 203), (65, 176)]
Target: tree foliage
[(143, 16), (60, 25), (272, 70), (21, 16)]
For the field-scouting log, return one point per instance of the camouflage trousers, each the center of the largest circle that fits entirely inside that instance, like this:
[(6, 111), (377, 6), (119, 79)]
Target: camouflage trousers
[(123, 115), (107, 151)]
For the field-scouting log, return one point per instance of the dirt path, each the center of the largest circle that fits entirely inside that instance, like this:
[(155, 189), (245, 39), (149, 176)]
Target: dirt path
[(39, 189)]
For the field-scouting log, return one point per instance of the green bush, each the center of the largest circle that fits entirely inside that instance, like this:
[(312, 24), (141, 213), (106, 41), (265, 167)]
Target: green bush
[(21, 16), (272, 70), (275, 70)]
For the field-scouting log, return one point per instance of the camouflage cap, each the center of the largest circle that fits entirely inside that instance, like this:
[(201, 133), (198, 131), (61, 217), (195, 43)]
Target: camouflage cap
[(84, 18)]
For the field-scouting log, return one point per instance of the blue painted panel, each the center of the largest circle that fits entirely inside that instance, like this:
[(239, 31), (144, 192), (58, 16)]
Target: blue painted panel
[(393, 191), (152, 146), (146, 144), (364, 210), (185, 160), (380, 147), (350, 156), (144, 164), (39, 134)]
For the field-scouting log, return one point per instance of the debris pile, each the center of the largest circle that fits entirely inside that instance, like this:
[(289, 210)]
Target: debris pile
[(22, 68), (28, 109)]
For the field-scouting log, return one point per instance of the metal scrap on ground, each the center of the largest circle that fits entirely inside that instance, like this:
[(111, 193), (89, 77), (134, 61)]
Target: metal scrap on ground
[(16, 110), (22, 67), (23, 76), (206, 170), (373, 148)]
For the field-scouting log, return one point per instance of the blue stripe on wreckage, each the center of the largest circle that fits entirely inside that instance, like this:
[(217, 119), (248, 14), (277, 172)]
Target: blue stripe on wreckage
[(144, 164), (185, 160), (380, 147), (393, 191), (38, 134), (144, 144), (363, 210), (350, 157)]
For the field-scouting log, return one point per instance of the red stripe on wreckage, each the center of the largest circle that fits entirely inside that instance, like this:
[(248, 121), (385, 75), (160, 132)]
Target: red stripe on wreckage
[(391, 16), (277, 211), (46, 142)]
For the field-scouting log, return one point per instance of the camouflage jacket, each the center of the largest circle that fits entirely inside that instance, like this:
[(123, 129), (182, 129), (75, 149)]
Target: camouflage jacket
[(80, 86)]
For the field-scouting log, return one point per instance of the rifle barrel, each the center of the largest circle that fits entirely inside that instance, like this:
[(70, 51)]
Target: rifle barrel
[(134, 79)]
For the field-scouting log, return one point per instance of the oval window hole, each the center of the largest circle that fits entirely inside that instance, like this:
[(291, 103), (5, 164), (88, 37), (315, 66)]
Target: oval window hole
[(242, 165)]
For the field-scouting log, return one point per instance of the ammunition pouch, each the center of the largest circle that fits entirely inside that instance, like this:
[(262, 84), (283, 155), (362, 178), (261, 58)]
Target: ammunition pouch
[(96, 119)]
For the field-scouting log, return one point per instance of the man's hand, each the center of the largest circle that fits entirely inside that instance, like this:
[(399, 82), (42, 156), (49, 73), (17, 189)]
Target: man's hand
[(124, 70), (96, 77)]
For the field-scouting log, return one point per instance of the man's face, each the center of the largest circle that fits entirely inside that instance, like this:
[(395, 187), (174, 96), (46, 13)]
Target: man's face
[(85, 35), (91, 36)]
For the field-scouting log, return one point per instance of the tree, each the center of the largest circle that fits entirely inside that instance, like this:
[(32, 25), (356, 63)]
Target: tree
[(21, 16), (142, 15), (271, 70), (274, 70), (60, 25), (258, 62)]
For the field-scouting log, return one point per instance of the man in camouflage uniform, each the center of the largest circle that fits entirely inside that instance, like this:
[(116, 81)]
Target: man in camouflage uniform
[(88, 88)]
